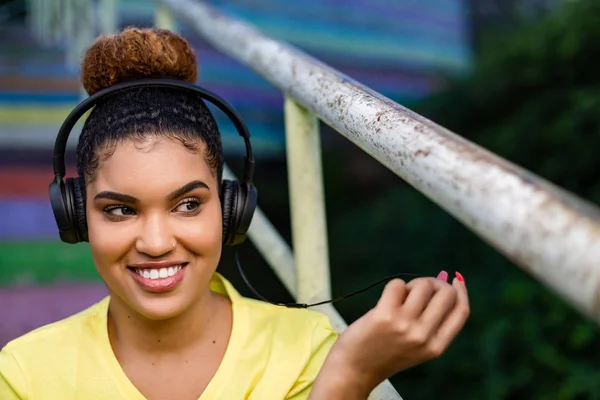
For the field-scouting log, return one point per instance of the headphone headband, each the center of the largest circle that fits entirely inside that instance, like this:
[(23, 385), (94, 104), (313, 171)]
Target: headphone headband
[(60, 145), (238, 199)]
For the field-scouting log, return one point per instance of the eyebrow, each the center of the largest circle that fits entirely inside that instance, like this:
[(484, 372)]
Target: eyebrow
[(117, 197), (125, 198), (188, 187)]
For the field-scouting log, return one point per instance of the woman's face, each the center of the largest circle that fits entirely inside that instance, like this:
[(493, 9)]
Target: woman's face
[(154, 225)]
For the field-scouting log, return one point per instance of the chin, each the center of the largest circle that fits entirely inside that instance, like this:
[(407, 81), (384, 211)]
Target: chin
[(156, 306), (160, 299), (160, 307)]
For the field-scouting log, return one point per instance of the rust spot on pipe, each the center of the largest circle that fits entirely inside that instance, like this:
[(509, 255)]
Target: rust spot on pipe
[(423, 153)]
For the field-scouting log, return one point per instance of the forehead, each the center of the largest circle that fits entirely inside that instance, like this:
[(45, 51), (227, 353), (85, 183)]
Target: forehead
[(158, 164)]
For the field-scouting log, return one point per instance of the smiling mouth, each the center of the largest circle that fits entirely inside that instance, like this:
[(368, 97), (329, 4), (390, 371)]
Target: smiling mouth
[(158, 273), (156, 279)]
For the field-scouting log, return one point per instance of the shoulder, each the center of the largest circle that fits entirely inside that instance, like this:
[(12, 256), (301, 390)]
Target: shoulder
[(285, 320), (284, 348), (289, 325), (279, 333), (44, 351), (278, 351), (56, 343)]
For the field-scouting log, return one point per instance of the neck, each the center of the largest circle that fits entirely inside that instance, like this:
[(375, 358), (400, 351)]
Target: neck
[(126, 327)]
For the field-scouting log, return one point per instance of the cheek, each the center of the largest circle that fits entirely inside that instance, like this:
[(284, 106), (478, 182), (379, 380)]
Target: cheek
[(203, 234), (108, 244)]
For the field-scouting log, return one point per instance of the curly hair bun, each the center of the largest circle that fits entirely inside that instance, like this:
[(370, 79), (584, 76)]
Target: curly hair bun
[(137, 53)]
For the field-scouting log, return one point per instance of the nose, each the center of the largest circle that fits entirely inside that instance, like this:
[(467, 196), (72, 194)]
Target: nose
[(155, 238)]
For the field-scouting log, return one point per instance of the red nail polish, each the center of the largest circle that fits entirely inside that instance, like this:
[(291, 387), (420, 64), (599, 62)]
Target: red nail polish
[(459, 277), (443, 276)]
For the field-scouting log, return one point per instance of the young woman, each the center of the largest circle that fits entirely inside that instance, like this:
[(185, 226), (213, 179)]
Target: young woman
[(150, 160)]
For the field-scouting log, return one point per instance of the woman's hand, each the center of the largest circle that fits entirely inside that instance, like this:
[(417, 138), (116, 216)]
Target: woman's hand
[(412, 323)]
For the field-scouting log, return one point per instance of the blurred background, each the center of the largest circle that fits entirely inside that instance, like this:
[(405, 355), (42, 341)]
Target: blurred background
[(520, 77)]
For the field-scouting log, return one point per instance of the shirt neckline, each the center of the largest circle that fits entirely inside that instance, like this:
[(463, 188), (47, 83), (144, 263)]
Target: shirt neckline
[(225, 370)]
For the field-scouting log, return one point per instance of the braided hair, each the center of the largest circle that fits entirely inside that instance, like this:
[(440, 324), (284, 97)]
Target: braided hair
[(141, 113)]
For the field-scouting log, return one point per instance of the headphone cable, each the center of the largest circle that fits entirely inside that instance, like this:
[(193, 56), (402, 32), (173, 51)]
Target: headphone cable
[(304, 305)]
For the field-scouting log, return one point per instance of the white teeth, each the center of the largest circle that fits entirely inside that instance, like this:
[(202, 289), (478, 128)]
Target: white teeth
[(150, 273)]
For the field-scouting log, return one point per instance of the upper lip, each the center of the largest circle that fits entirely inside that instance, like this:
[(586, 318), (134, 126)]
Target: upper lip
[(157, 264)]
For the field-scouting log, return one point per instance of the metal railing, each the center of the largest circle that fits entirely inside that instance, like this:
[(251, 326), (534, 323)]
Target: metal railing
[(550, 233)]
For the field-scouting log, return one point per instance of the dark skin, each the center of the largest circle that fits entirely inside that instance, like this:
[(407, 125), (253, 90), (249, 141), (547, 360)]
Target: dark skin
[(170, 344)]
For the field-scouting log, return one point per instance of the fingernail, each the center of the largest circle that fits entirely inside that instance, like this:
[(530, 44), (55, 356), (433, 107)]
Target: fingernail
[(459, 277), (443, 276)]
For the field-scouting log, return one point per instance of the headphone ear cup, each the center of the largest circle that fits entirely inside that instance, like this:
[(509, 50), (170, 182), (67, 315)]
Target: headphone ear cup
[(75, 208), (80, 221), (60, 207), (229, 193)]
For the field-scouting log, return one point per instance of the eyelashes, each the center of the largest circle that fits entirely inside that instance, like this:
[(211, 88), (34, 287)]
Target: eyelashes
[(187, 207), (118, 212), (191, 205)]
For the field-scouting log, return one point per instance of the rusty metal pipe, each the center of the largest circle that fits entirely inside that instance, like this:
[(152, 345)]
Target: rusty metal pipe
[(548, 232)]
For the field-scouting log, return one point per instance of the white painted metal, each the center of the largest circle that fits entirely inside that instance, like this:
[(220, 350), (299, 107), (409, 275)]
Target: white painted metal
[(307, 203), (548, 232)]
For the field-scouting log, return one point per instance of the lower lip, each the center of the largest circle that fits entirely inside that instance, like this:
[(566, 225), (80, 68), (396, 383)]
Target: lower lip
[(161, 284)]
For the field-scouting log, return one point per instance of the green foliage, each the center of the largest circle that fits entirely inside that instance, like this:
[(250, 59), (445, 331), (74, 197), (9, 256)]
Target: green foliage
[(533, 98)]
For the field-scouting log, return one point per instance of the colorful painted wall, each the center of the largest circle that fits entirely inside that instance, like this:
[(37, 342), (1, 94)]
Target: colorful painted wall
[(403, 49)]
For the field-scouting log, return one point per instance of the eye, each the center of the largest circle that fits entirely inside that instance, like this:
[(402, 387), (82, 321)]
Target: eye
[(189, 206), (119, 211)]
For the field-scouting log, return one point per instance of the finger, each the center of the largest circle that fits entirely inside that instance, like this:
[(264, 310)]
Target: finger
[(457, 317), (439, 308), (393, 295), (437, 283), (420, 292)]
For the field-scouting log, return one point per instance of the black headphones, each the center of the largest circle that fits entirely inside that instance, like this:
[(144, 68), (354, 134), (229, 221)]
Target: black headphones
[(238, 198)]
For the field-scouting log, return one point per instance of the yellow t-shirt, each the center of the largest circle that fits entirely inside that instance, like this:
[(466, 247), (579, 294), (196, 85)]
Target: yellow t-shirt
[(273, 353)]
